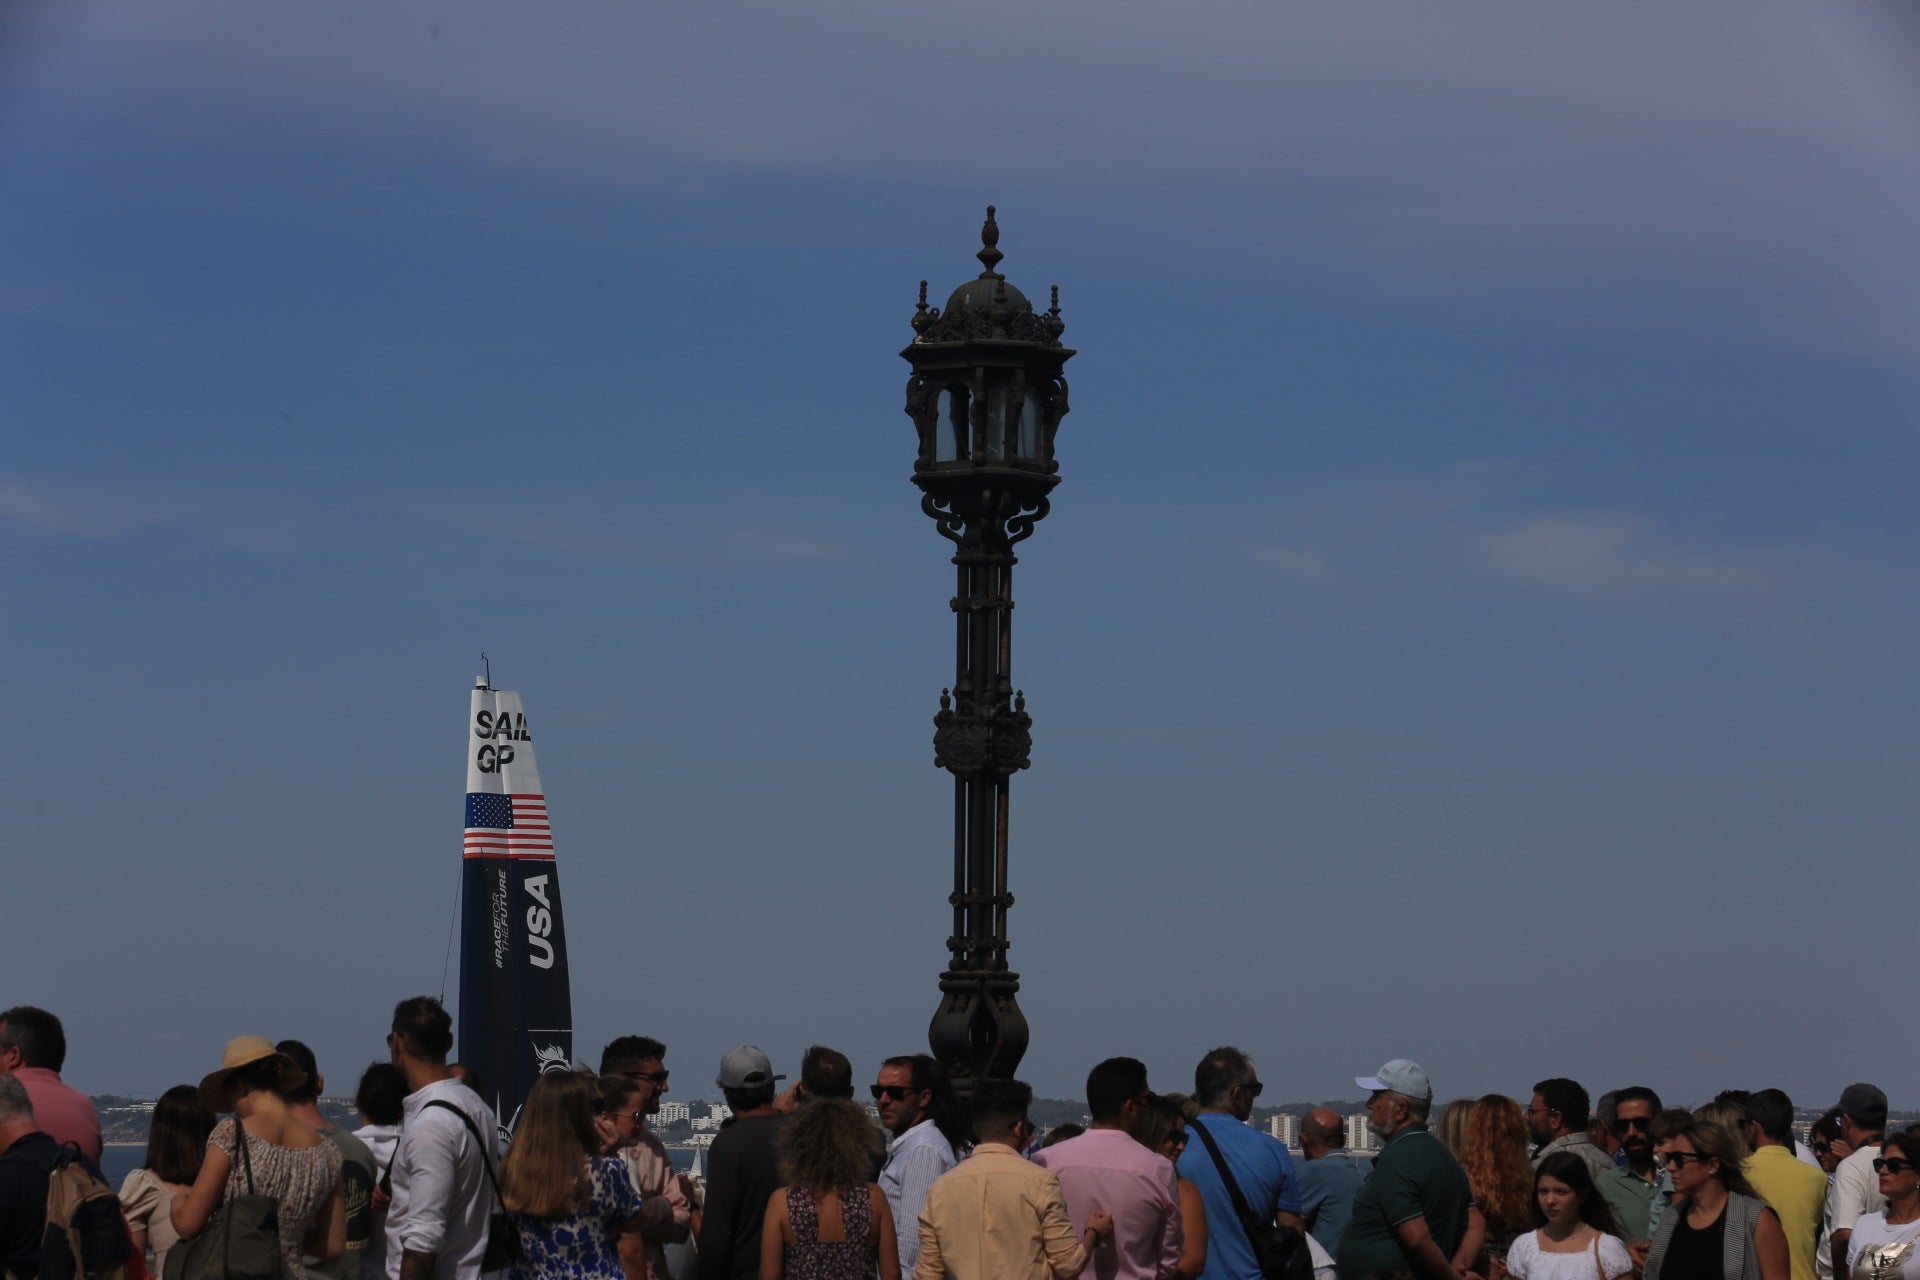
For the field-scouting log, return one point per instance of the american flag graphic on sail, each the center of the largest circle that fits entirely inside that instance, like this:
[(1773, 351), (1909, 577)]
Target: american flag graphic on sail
[(516, 1011), (507, 826)]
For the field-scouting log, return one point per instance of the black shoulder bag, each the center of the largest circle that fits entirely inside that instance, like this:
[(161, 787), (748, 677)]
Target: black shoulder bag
[(1281, 1252), (503, 1238)]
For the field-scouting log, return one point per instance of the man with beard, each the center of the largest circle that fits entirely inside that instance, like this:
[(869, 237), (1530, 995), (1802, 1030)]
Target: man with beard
[(1414, 1214), (641, 1060), (1630, 1188), (913, 1096), (1557, 1121)]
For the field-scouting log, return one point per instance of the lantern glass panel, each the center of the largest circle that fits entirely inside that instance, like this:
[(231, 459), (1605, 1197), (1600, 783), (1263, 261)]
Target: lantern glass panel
[(997, 426), (1029, 445), (951, 429)]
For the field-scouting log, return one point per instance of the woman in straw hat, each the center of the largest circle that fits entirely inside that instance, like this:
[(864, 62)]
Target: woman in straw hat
[(290, 1162)]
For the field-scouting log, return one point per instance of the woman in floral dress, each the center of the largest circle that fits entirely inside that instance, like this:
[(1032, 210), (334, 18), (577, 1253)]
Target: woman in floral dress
[(829, 1222), (290, 1162), (570, 1201)]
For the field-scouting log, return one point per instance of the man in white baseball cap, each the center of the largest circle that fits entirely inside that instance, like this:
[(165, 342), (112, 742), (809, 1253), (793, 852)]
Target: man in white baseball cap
[(1414, 1213)]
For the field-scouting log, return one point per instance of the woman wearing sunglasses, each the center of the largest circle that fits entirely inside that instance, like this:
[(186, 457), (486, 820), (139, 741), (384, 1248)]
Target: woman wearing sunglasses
[(571, 1204), (1886, 1245), (1716, 1225), (1164, 1129)]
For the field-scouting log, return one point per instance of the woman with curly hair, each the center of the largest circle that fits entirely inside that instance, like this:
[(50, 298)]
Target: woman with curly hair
[(570, 1203), (829, 1222), (1493, 1151)]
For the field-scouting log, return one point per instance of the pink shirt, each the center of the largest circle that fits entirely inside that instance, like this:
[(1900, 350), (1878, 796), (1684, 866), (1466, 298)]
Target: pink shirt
[(61, 1111), (1106, 1169)]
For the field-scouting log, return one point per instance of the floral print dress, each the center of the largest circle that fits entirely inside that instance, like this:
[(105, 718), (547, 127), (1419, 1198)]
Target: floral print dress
[(580, 1245), (300, 1178), (811, 1258)]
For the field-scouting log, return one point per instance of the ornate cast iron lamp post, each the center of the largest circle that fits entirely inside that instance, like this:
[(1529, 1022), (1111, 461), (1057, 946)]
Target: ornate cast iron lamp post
[(986, 396)]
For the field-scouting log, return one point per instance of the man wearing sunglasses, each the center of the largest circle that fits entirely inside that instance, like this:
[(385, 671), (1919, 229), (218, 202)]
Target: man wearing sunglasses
[(1797, 1192), (1630, 1188), (642, 1060), (1856, 1187), (911, 1093), (1225, 1085)]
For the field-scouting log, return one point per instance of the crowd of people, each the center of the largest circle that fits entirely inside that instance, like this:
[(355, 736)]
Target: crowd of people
[(801, 1185)]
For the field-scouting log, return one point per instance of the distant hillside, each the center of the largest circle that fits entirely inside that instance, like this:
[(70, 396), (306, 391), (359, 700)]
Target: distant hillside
[(128, 1119)]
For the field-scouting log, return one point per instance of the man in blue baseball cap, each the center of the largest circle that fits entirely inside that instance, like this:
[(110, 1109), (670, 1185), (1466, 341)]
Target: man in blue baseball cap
[(1414, 1214)]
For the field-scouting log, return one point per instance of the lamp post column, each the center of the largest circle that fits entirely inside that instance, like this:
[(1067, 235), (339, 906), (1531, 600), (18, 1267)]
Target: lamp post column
[(986, 396)]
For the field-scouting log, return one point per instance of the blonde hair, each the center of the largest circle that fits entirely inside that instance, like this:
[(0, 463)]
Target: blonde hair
[(1452, 1128), (1730, 1118), (545, 1174)]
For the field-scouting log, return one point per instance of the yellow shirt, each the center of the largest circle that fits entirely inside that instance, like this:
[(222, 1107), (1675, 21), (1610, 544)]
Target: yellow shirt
[(1798, 1194), (997, 1216)]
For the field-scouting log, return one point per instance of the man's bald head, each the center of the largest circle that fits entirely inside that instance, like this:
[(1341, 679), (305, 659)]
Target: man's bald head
[(1321, 1131)]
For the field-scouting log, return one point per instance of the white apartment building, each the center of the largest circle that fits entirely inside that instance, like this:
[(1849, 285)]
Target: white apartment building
[(705, 1124), (674, 1113), (1286, 1128), (1359, 1137)]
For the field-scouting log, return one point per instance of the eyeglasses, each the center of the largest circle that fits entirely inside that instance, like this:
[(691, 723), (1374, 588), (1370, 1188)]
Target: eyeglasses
[(651, 1077), (893, 1091), (1680, 1159), (1624, 1123), (1821, 1148), (1540, 1111), (1253, 1090), (638, 1117), (1893, 1164)]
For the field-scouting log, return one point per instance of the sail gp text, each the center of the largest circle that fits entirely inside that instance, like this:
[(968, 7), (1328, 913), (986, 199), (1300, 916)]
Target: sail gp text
[(539, 922), (498, 733)]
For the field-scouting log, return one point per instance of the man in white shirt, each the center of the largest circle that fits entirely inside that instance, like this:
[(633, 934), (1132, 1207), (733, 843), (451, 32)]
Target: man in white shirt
[(909, 1093), (1856, 1188), (442, 1197)]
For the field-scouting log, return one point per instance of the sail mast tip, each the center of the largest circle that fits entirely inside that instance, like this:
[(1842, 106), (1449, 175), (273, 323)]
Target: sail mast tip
[(486, 677)]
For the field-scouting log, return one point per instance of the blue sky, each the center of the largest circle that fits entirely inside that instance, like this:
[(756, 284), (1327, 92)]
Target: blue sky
[(1476, 623)]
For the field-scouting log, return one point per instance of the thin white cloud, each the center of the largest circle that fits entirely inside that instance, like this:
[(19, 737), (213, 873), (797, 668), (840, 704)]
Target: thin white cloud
[(1407, 549), (34, 508), (285, 521), (1617, 559)]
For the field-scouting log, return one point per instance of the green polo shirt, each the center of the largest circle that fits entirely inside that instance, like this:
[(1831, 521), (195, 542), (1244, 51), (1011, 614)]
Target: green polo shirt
[(1630, 1196), (1414, 1176)]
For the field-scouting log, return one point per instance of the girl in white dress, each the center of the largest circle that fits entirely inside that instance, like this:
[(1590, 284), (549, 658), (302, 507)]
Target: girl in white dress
[(1574, 1233)]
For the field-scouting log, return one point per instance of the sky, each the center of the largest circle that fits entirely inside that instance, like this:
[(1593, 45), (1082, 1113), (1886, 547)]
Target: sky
[(1477, 621)]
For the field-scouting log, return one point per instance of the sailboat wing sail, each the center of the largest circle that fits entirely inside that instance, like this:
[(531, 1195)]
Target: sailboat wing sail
[(516, 1013)]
